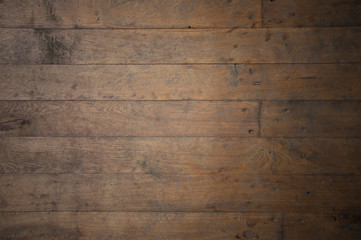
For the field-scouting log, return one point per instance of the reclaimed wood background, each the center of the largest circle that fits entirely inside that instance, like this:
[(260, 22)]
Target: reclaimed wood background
[(180, 119)]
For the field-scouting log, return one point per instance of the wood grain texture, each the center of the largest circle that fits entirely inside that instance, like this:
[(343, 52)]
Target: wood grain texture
[(311, 118), (181, 82), (128, 118), (323, 226), (180, 119), (140, 225), (130, 14), (179, 155), (311, 13), (179, 192), (81, 46)]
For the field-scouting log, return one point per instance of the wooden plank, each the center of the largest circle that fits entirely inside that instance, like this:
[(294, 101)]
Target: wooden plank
[(181, 82), (140, 225), (187, 155), (128, 118), (323, 226), (311, 119), (130, 14), (81, 46), (311, 13), (179, 192)]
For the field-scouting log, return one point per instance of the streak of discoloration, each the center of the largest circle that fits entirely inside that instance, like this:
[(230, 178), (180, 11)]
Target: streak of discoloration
[(75, 85), (39, 231), (250, 235), (13, 124), (268, 36), (50, 10), (54, 48), (233, 82), (3, 203)]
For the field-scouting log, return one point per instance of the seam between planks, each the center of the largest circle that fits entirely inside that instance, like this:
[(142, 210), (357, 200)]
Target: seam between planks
[(192, 174), (184, 28), (177, 100), (185, 63), (177, 136), (178, 211)]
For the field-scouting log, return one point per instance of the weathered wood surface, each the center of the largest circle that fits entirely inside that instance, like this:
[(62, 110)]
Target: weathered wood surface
[(81, 46), (179, 192), (130, 14), (311, 119), (178, 225), (180, 119), (322, 226), (196, 155), (128, 118), (311, 13), (140, 225), (181, 82)]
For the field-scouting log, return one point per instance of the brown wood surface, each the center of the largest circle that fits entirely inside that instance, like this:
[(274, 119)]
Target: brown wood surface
[(322, 226), (130, 14), (179, 192), (311, 119), (188, 155), (128, 118), (140, 225), (82, 46), (180, 119), (181, 82), (311, 13), (178, 225)]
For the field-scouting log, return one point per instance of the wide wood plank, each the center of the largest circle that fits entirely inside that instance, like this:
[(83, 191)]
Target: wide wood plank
[(322, 226), (311, 13), (179, 192), (140, 225), (311, 119), (128, 118), (130, 14), (80, 46), (181, 82), (188, 155)]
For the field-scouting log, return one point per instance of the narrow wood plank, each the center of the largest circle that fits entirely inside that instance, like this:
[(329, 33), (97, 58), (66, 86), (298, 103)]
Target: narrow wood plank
[(130, 14), (179, 192), (311, 119), (128, 118), (140, 225), (181, 82), (81, 46), (311, 13), (187, 155), (323, 226)]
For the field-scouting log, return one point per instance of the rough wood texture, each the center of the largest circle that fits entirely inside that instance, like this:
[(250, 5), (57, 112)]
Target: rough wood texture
[(311, 13), (322, 226), (142, 225), (181, 82), (154, 225), (179, 192), (180, 119), (130, 14), (180, 155), (128, 118), (80, 46), (311, 119)]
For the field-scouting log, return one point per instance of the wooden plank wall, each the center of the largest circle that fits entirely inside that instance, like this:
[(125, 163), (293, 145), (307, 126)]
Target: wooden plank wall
[(180, 119)]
